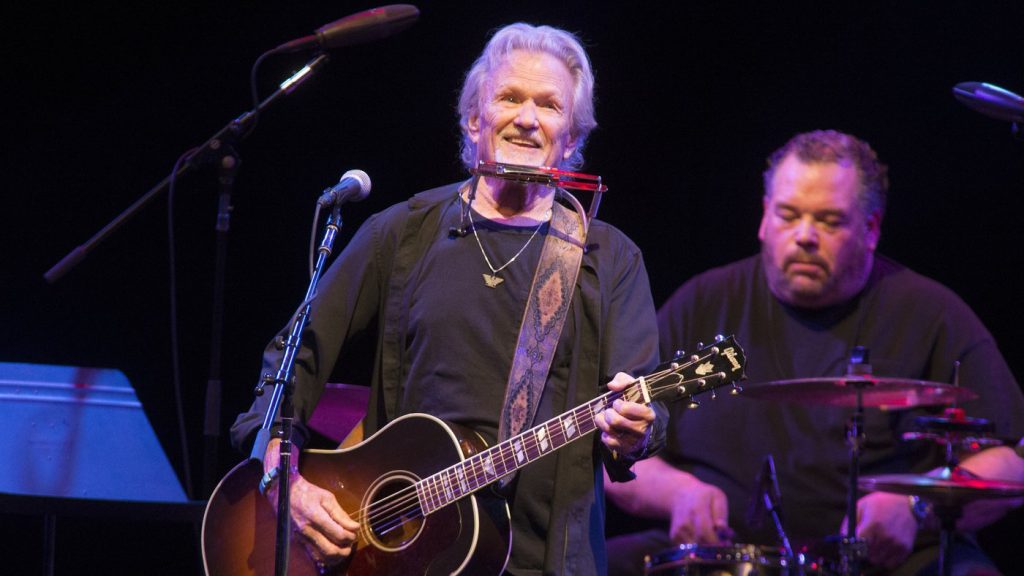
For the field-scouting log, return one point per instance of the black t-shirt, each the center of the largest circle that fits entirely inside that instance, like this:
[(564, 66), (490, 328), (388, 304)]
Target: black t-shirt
[(913, 328), (453, 310)]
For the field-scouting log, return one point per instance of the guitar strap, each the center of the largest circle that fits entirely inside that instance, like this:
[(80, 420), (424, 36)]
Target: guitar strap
[(543, 319)]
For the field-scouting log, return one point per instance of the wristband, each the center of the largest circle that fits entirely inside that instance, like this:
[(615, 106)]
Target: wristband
[(268, 480)]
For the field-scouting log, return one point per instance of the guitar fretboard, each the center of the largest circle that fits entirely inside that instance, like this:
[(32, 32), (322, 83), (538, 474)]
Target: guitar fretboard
[(479, 470), (709, 368)]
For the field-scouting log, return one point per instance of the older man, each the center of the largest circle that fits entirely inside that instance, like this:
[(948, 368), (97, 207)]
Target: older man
[(443, 279), (816, 291)]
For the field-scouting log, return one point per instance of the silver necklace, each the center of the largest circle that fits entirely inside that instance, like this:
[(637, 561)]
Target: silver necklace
[(492, 280)]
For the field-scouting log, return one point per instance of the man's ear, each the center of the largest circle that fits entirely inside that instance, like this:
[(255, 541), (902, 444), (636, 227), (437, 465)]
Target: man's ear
[(473, 128), (570, 147), (874, 230), (764, 218)]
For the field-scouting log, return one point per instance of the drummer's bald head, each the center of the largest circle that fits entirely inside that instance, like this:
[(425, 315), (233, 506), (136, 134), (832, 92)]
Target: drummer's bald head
[(830, 146)]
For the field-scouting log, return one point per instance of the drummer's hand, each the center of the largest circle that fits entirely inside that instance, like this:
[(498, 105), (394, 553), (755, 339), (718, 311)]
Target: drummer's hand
[(885, 523), (625, 426), (325, 529), (700, 514)]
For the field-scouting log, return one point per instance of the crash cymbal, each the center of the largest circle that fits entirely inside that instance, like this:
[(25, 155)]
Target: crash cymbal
[(956, 489), (875, 391)]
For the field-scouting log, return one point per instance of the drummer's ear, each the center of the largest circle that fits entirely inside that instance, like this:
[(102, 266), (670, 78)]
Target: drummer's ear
[(874, 230)]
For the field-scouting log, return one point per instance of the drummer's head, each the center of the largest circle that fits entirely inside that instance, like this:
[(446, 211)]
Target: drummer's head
[(824, 198)]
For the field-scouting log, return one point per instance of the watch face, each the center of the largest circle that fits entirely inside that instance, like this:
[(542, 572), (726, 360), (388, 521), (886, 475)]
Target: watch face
[(920, 509)]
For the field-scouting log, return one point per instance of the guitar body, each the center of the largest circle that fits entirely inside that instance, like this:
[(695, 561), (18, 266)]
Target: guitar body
[(469, 536)]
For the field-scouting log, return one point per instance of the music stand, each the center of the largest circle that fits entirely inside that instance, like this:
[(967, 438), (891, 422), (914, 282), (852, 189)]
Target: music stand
[(84, 447)]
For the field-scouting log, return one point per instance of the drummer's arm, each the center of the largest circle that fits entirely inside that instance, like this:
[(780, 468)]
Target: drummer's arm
[(649, 495), (696, 512), (998, 463)]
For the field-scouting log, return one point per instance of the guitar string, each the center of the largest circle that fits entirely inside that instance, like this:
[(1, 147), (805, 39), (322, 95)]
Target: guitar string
[(399, 504), (530, 447), (477, 477), (531, 444), (404, 500)]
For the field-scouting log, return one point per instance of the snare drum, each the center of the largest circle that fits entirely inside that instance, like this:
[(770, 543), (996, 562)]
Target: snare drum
[(735, 560)]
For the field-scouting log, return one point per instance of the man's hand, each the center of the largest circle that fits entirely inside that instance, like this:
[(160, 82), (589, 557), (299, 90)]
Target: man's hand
[(700, 514), (325, 529), (885, 522), (625, 426)]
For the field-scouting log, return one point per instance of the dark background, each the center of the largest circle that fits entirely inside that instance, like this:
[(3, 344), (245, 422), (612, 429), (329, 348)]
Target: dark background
[(102, 98)]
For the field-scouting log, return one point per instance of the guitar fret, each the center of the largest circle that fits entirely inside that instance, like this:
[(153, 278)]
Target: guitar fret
[(520, 453), (569, 426), (421, 497), (542, 439)]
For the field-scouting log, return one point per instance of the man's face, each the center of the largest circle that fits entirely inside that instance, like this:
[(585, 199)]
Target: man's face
[(525, 112), (817, 244)]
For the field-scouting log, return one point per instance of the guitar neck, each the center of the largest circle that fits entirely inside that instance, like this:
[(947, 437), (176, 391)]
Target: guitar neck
[(706, 370), (483, 468)]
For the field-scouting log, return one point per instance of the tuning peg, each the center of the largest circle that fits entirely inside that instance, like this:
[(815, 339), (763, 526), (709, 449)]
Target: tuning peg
[(680, 353), (719, 338), (714, 394), (735, 389), (693, 404)]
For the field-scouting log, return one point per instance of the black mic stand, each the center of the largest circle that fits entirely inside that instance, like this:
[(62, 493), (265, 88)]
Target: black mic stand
[(211, 425), (280, 400), (219, 147), (772, 499), (234, 130)]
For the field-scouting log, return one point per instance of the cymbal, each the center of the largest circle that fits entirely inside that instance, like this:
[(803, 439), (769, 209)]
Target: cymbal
[(944, 491), (875, 391)]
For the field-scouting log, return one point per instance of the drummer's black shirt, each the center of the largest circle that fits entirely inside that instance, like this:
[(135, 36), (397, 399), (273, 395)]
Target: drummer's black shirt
[(913, 327)]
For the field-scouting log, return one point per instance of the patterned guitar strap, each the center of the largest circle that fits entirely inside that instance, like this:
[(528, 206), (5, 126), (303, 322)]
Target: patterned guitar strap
[(543, 319)]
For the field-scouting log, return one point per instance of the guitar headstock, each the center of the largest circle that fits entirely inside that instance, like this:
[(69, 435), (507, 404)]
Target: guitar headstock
[(709, 368)]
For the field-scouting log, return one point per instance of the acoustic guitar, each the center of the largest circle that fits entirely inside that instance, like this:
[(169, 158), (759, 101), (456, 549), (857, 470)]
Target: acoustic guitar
[(415, 485)]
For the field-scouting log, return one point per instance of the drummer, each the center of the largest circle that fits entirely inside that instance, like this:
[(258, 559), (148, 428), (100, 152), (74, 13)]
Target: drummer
[(817, 290)]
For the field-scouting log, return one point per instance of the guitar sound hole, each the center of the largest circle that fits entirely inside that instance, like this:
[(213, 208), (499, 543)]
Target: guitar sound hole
[(394, 516)]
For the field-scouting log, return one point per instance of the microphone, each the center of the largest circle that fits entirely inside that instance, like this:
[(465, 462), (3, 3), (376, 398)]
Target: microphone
[(991, 101), (353, 187), (767, 497), (365, 26)]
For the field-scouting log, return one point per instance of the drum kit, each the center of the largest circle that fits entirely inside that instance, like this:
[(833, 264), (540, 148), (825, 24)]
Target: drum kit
[(945, 492)]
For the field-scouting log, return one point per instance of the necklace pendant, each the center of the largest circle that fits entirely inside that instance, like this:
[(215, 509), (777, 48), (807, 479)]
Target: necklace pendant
[(492, 281)]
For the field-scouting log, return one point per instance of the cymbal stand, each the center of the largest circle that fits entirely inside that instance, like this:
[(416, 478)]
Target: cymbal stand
[(954, 429), (852, 549)]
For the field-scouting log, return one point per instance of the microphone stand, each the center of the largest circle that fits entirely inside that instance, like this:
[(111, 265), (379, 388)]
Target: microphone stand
[(221, 147), (237, 128), (281, 399), (211, 425)]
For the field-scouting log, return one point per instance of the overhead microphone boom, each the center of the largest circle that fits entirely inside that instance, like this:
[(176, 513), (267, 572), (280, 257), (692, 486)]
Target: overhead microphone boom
[(365, 26)]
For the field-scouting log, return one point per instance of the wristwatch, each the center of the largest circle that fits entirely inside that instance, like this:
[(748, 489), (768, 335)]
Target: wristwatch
[(920, 509)]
